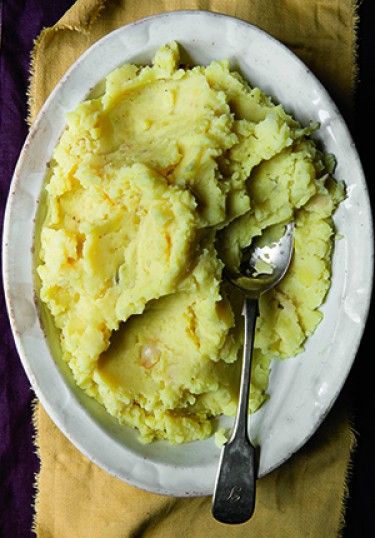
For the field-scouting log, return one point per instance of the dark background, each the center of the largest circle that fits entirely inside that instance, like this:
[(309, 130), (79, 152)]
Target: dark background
[(360, 520), (18, 462)]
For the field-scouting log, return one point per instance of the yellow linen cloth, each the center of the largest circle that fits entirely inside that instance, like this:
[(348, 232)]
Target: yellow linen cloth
[(303, 498)]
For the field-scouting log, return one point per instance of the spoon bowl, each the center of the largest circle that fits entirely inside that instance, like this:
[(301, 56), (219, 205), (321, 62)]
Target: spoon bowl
[(263, 266)]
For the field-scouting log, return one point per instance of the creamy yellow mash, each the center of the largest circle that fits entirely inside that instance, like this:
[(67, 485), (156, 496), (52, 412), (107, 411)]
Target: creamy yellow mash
[(154, 185)]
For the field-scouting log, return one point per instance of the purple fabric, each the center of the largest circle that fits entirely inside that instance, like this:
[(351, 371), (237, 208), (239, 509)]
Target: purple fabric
[(20, 22)]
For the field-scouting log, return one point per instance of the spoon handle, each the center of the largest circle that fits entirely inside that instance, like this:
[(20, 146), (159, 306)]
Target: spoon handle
[(234, 495)]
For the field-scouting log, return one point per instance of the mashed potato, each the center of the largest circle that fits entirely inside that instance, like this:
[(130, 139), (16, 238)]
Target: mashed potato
[(155, 185)]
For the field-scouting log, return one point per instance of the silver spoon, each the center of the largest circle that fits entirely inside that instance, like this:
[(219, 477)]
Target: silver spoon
[(234, 494)]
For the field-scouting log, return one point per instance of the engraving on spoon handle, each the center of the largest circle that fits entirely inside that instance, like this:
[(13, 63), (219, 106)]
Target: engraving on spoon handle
[(234, 495)]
